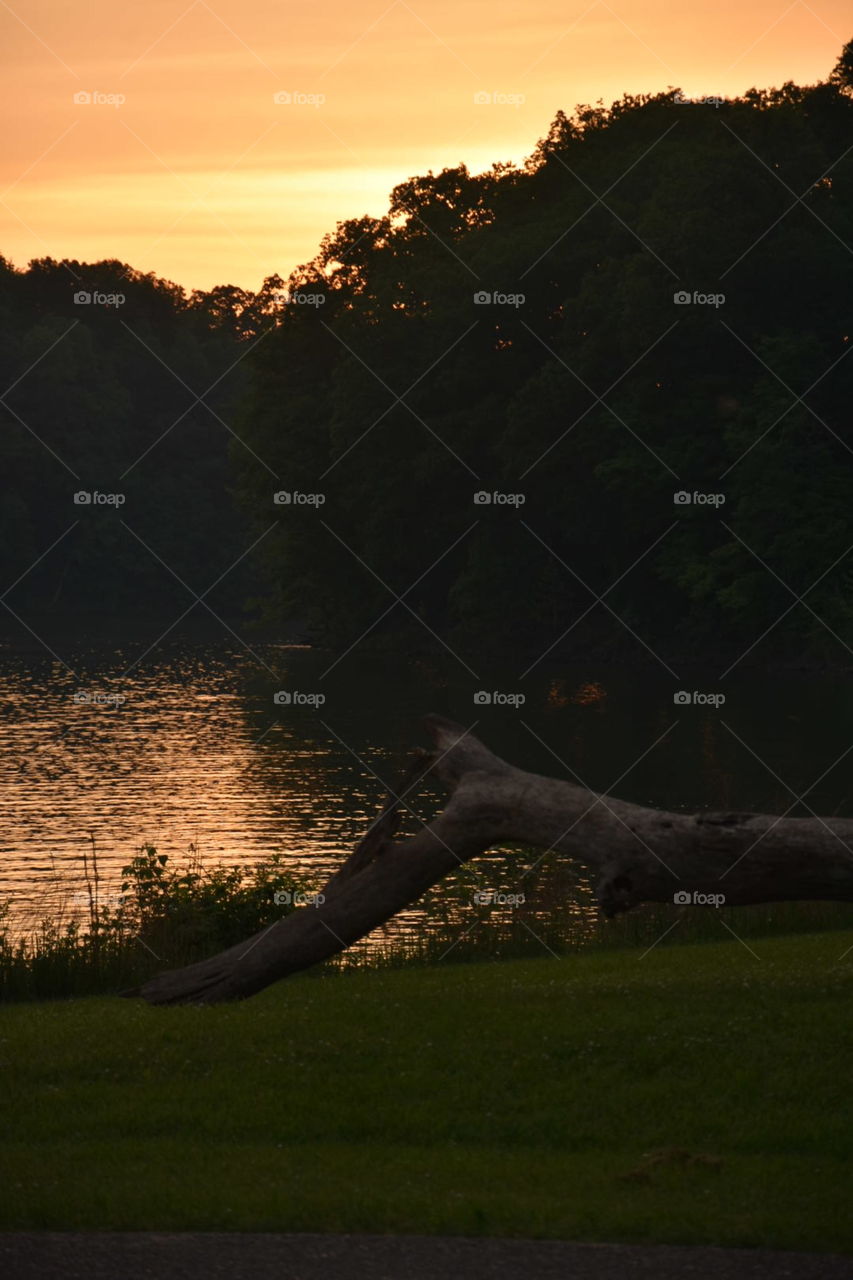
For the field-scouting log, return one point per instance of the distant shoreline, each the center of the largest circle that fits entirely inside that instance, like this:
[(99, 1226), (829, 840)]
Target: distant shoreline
[(781, 661)]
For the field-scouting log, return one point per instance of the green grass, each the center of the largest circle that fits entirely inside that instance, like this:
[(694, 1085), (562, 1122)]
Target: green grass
[(697, 1094)]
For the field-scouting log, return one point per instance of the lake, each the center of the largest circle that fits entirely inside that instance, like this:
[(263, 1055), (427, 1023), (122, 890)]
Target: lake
[(186, 747)]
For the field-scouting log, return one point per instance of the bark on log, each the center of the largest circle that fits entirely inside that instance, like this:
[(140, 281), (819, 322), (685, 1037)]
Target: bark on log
[(637, 854)]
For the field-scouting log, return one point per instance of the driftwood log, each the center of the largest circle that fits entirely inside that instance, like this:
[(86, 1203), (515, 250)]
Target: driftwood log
[(636, 854)]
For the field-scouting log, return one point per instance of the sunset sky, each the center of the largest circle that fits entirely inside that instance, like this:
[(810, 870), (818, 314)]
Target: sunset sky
[(200, 176)]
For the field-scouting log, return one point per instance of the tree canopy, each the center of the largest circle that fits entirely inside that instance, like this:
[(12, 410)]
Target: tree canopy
[(656, 303), (585, 384)]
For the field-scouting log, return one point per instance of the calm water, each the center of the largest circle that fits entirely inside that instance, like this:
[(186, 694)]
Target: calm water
[(188, 748)]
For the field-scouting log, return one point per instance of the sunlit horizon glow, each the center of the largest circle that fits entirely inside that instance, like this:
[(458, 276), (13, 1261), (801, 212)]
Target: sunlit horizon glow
[(201, 177)]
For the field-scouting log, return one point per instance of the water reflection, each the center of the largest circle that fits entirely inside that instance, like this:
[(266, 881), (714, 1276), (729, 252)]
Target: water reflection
[(191, 749)]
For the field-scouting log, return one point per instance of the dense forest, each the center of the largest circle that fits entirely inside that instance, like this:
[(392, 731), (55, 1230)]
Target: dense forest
[(104, 367), (618, 371)]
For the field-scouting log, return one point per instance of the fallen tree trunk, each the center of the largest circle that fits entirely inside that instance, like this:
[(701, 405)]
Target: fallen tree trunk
[(637, 854)]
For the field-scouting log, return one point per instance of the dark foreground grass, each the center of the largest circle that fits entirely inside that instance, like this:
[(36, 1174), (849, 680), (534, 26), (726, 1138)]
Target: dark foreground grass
[(697, 1094)]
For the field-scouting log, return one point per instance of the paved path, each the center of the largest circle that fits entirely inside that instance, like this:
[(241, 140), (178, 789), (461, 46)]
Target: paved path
[(137, 1255)]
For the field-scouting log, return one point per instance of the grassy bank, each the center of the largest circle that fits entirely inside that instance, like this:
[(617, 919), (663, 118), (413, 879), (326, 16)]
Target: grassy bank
[(699, 1094)]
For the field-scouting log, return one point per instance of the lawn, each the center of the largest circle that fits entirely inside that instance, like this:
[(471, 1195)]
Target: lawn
[(695, 1094)]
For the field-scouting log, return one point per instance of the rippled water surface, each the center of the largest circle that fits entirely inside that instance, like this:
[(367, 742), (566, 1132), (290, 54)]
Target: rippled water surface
[(188, 748)]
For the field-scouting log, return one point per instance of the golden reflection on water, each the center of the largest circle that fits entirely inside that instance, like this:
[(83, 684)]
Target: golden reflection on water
[(183, 756), (177, 763), (187, 751)]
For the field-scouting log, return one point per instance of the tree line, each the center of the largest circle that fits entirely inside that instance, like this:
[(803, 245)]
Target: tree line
[(613, 380)]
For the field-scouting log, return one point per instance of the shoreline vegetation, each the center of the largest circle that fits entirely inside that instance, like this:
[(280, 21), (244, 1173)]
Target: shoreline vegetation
[(100, 938)]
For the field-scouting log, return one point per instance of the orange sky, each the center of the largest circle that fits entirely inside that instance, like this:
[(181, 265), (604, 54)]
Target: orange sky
[(200, 176)]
